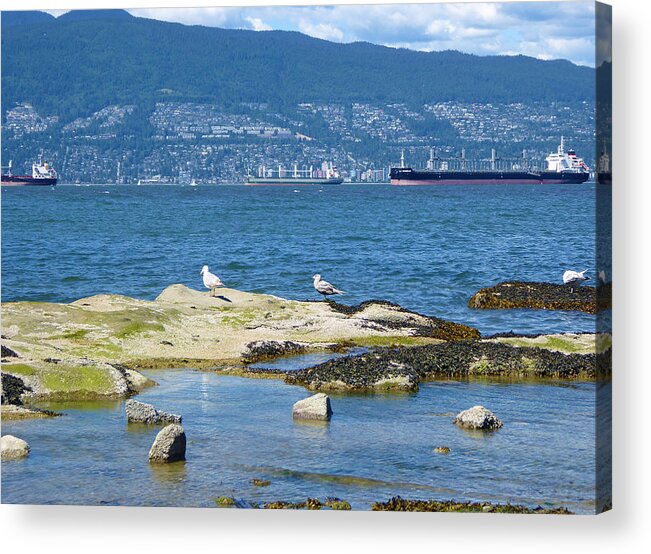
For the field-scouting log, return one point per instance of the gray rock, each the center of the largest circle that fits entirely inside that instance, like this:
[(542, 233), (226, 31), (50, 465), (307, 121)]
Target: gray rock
[(139, 412), (169, 445), (315, 407), (477, 417), (13, 448)]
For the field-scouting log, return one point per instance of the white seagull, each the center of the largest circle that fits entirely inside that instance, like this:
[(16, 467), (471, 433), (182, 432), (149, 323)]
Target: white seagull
[(574, 278), (210, 280), (325, 288)]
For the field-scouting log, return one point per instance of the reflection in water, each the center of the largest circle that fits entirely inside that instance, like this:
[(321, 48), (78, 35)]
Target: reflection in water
[(168, 473), (374, 447)]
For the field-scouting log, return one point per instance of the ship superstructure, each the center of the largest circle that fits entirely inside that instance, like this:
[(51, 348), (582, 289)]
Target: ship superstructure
[(327, 174)]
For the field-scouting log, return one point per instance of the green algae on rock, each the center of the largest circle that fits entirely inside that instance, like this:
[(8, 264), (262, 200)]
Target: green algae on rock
[(69, 379), (542, 296), (260, 482), (309, 504), (398, 504), (225, 501)]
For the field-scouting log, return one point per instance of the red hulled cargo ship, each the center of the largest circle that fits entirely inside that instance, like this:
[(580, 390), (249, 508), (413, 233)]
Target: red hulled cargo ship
[(42, 175)]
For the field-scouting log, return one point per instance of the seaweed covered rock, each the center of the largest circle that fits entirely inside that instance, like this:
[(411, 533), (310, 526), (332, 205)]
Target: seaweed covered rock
[(8, 352), (308, 504), (169, 445), (12, 389), (316, 407), (372, 371), (404, 368), (262, 350), (139, 412), (478, 418), (541, 296), (398, 504), (13, 448)]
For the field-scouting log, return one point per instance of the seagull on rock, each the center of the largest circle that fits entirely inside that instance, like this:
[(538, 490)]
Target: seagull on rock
[(210, 280), (574, 278), (325, 288)]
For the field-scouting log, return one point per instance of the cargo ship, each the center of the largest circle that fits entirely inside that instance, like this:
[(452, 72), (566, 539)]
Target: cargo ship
[(563, 167), (42, 174), (327, 174)]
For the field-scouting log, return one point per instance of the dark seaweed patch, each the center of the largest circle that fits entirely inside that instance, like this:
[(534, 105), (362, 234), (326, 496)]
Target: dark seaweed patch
[(398, 504), (542, 296)]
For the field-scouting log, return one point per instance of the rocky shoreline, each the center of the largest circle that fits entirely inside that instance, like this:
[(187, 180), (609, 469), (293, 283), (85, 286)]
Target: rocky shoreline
[(94, 347)]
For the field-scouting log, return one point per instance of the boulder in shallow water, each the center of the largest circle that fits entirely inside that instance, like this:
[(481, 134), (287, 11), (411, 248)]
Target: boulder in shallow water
[(13, 448), (169, 445), (139, 412), (315, 407), (478, 417)]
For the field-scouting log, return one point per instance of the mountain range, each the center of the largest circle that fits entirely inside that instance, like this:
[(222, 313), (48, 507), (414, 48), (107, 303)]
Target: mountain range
[(84, 60)]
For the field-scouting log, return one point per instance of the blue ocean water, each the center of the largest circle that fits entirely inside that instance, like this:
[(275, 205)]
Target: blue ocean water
[(426, 248)]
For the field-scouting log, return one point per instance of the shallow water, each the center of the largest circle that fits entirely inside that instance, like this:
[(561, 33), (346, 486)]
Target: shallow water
[(375, 446), (426, 248)]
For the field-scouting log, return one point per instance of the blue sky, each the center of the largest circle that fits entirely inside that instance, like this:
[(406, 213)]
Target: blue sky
[(546, 30)]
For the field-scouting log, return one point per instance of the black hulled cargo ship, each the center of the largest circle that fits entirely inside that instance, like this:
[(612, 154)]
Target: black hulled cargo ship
[(42, 175), (562, 168)]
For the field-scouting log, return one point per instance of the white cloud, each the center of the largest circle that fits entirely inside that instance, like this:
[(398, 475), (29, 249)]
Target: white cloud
[(325, 31), (257, 24)]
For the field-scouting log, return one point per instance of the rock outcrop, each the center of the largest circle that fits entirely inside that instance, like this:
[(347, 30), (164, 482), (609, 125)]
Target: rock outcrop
[(189, 328), (262, 350), (541, 296), (316, 407), (169, 445), (13, 448), (139, 412), (478, 418)]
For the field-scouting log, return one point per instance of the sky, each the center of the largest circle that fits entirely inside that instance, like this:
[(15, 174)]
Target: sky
[(545, 30)]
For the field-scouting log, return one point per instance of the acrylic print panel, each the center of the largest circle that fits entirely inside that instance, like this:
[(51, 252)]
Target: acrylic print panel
[(320, 257)]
